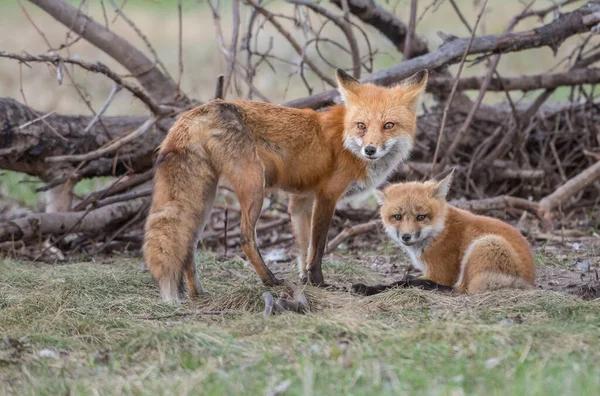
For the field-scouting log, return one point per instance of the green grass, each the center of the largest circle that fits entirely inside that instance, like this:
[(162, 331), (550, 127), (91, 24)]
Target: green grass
[(112, 335)]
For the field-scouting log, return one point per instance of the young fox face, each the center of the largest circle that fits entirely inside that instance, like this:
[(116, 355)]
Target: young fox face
[(413, 213), (380, 120)]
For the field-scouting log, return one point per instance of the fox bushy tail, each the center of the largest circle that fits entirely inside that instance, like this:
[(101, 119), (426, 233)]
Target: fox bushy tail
[(185, 185)]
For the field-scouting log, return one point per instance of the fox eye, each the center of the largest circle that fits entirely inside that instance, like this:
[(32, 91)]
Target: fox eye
[(361, 126), (421, 217), (397, 217), (388, 125)]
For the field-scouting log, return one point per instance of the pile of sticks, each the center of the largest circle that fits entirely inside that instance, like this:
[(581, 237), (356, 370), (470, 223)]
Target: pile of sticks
[(522, 157)]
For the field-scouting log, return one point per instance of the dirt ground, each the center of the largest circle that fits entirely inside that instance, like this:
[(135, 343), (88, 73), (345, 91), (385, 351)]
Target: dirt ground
[(571, 265)]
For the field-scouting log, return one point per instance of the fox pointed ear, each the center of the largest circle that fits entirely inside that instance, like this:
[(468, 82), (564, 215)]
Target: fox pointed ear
[(347, 85), (380, 196), (413, 86), (441, 187), (442, 175)]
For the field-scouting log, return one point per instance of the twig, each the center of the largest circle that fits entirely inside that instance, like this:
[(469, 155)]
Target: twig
[(449, 101), (297, 47), (138, 31), (344, 26), (110, 147), (233, 49), (412, 24), (124, 197), (113, 92), (219, 91), (551, 34), (180, 47), (350, 232), (122, 184), (39, 119), (95, 67)]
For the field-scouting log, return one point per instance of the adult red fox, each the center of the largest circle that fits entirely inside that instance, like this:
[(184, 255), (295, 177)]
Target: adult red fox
[(317, 157), (454, 248)]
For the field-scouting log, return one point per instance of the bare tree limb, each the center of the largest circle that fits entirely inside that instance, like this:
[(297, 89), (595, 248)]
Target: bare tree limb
[(552, 35), (570, 188), (387, 23), (343, 24), (521, 83), (54, 223), (449, 100), (159, 87), (95, 67), (297, 47), (109, 148)]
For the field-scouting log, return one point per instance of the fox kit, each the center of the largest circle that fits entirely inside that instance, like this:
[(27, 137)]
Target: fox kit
[(454, 248), (317, 157)]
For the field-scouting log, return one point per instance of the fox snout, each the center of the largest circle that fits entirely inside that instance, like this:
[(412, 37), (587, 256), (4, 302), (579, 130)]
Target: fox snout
[(371, 151)]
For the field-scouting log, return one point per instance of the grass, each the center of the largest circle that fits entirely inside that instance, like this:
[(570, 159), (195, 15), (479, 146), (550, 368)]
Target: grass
[(110, 334)]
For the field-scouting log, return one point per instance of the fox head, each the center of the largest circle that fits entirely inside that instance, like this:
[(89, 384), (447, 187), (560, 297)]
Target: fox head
[(414, 212), (380, 120)]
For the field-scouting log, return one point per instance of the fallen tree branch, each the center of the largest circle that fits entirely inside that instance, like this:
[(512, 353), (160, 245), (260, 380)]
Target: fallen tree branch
[(522, 83), (109, 148), (350, 232), (570, 188), (121, 185), (55, 223)]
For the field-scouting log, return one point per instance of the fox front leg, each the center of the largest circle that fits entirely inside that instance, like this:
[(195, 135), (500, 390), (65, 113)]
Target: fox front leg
[(323, 209)]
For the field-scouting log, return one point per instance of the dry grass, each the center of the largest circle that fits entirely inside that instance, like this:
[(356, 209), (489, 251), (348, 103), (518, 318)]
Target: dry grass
[(110, 334)]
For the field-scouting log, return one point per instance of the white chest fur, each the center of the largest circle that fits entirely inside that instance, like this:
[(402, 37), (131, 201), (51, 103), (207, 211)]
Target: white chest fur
[(378, 171)]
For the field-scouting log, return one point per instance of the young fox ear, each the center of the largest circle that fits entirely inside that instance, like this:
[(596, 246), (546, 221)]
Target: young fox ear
[(413, 87), (347, 85), (441, 187), (380, 196)]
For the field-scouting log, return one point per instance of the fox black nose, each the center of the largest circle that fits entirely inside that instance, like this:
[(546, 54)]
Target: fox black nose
[(406, 237), (370, 150)]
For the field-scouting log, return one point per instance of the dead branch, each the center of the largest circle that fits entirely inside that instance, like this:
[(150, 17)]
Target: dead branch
[(297, 47), (109, 148), (97, 220), (345, 27), (121, 185), (523, 83), (453, 92), (552, 35), (570, 188), (352, 231), (95, 67), (159, 87), (386, 22)]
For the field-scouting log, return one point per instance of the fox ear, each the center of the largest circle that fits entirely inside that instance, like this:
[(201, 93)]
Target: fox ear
[(442, 175), (347, 84), (380, 196), (441, 187), (413, 86)]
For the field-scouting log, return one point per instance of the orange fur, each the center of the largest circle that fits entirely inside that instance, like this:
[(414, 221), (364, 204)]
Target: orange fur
[(256, 146), (454, 247)]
